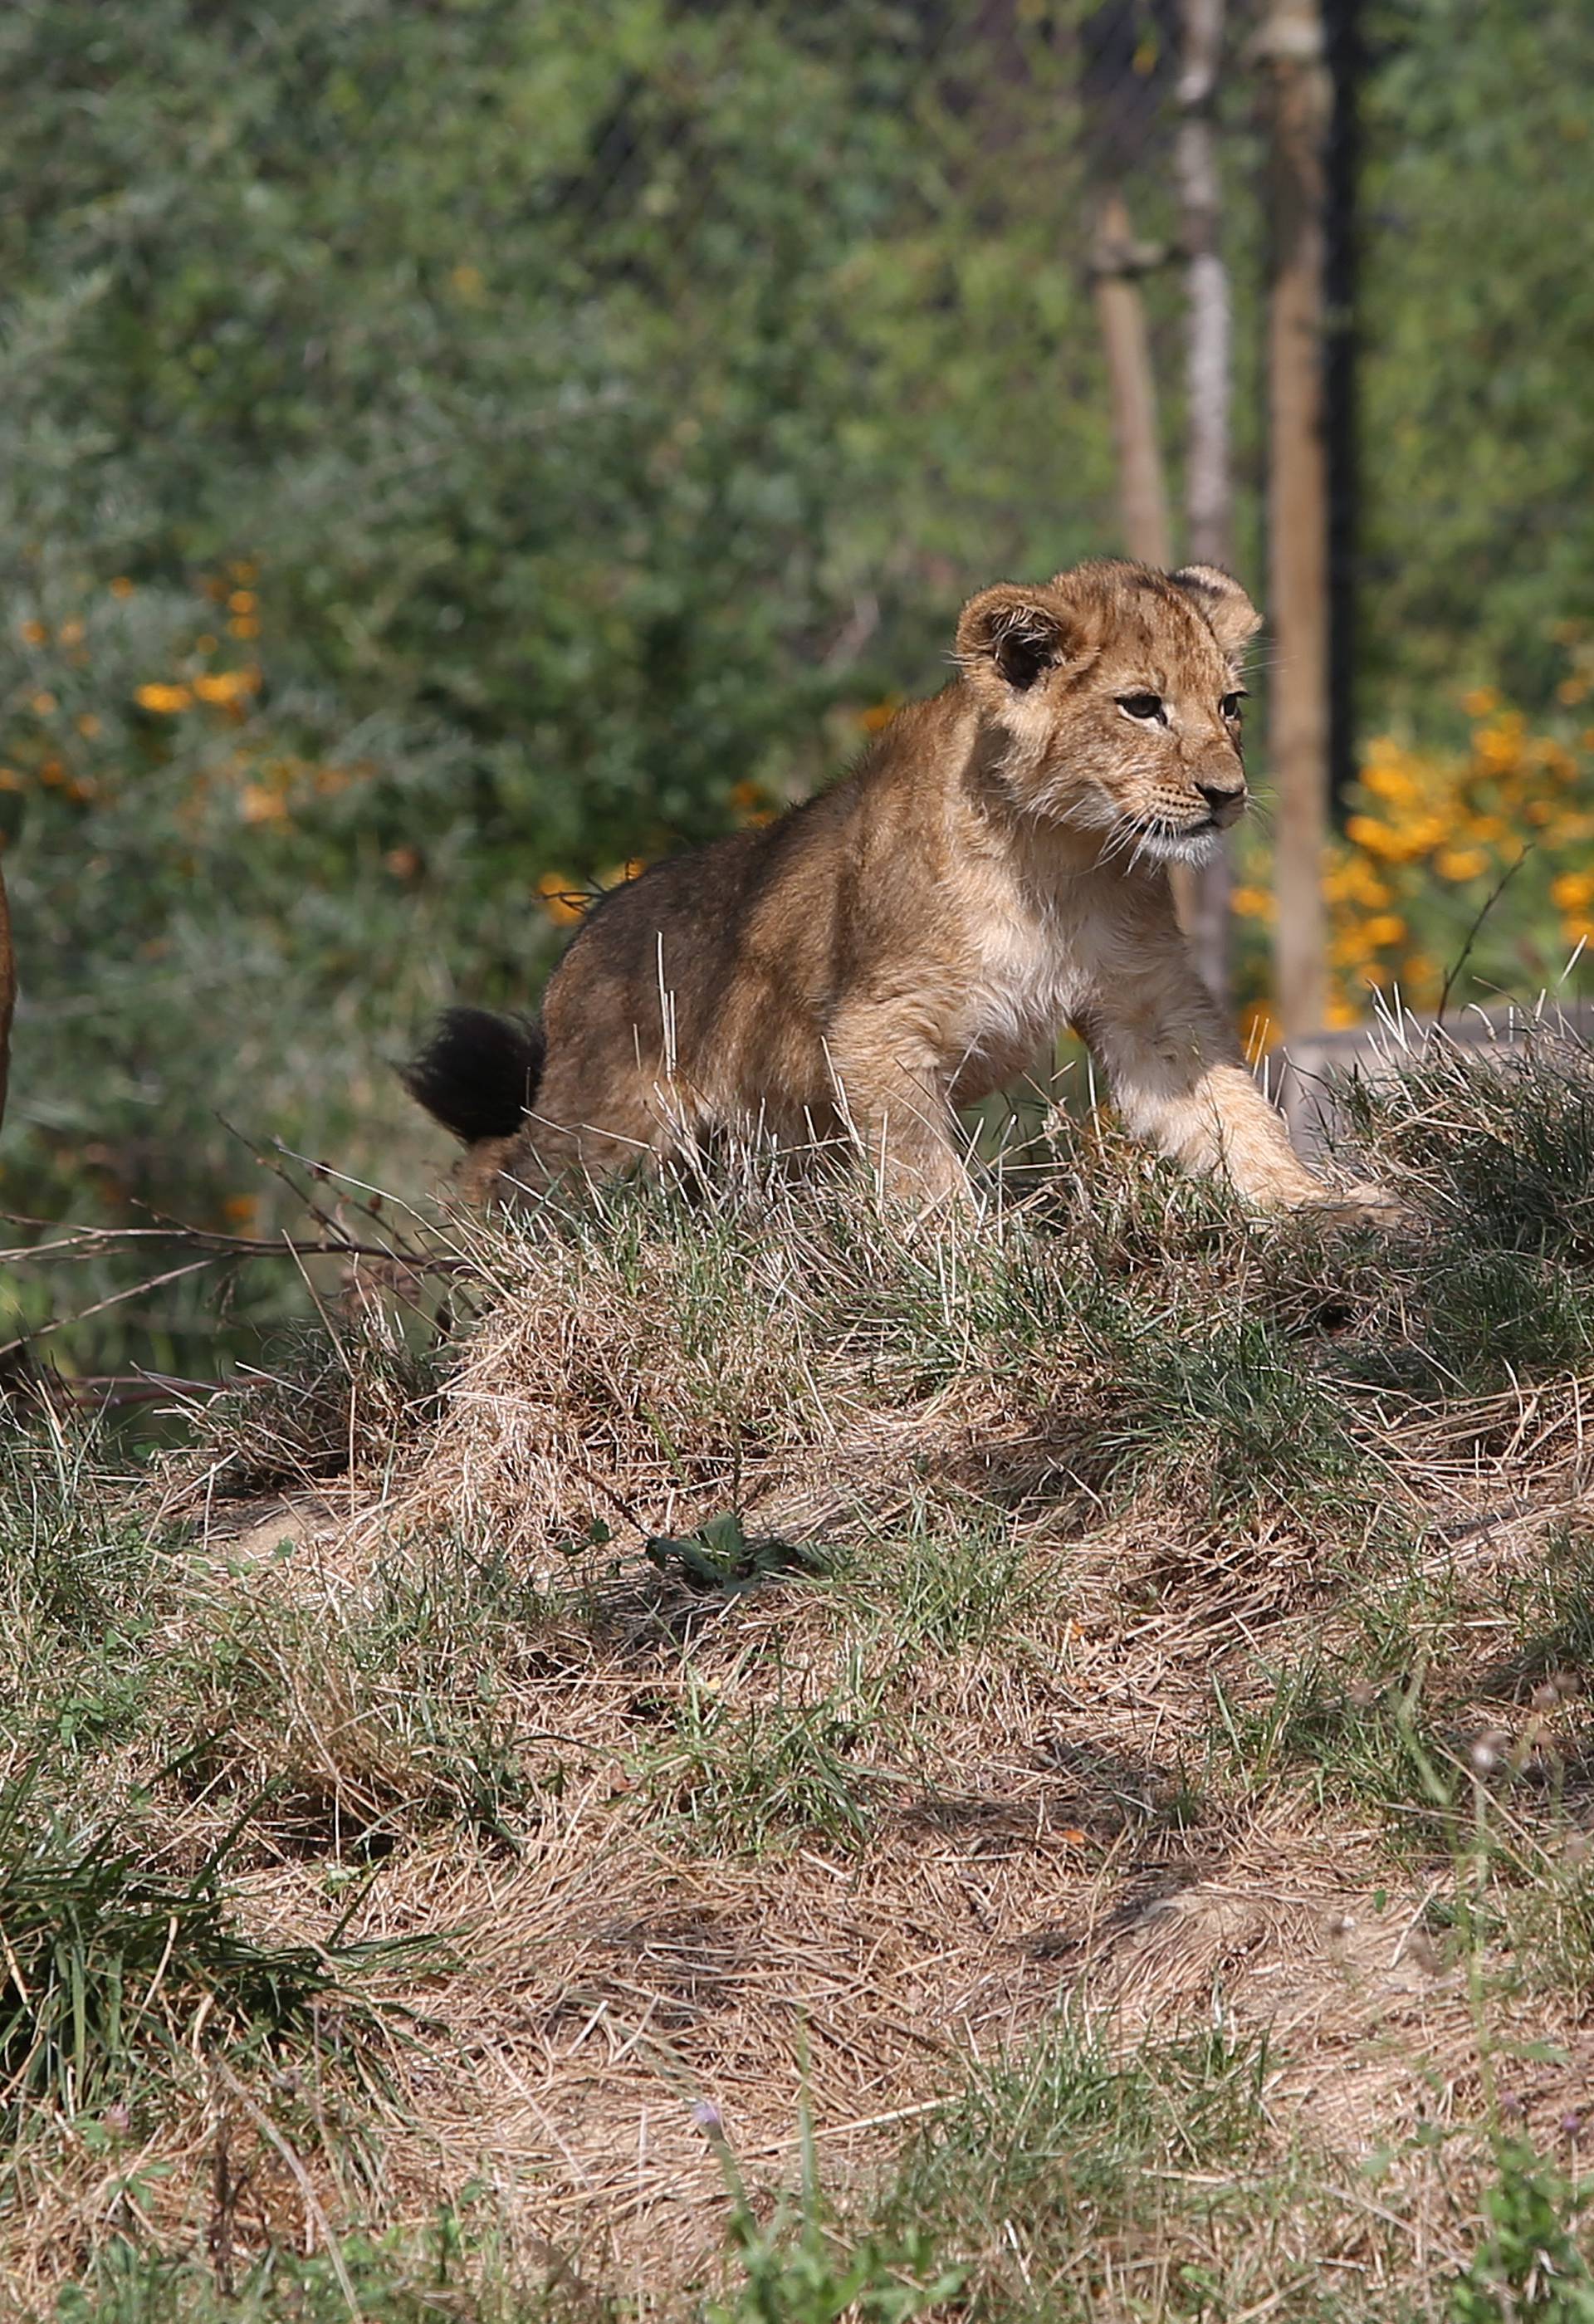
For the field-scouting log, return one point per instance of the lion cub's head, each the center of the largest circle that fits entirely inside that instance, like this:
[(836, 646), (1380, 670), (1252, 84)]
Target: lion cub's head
[(1117, 688)]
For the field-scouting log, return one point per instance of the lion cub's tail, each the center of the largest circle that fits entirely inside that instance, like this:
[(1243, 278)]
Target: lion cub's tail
[(478, 1073)]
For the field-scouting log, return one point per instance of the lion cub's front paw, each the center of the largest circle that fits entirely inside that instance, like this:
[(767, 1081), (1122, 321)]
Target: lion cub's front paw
[(1364, 1204)]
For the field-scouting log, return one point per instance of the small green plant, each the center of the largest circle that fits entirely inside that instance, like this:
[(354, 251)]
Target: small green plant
[(722, 1555), (1532, 2260)]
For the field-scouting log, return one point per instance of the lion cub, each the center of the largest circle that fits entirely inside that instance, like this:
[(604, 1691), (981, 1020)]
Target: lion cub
[(902, 944)]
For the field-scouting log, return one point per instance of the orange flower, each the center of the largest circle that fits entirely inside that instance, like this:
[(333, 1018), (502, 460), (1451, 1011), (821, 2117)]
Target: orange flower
[(562, 901), (166, 699), (1259, 1029)]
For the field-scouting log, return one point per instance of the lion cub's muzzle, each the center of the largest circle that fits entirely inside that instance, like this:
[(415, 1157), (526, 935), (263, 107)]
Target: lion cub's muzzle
[(1223, 797)]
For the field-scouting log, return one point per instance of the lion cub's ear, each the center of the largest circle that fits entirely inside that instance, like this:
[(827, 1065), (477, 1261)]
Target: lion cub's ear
[(1011, 634), (1229, 613)]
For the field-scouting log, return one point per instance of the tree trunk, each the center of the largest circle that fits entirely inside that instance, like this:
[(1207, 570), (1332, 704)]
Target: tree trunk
[(1291, 51), (1116, 263), (1209, 495), (7, 992)]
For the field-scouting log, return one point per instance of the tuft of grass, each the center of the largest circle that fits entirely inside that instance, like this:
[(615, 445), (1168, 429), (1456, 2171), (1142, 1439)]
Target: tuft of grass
[(105, 1963), (752, 1778), (1229, 1411), (951, 1577), (322, 1402), (1058, 2167), (74, 1547)]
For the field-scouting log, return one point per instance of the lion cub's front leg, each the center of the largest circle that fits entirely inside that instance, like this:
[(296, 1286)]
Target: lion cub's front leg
[(890, 1090), (1176, 1076)]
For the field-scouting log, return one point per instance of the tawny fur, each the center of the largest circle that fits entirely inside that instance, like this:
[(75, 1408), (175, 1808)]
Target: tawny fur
[(900, 945)]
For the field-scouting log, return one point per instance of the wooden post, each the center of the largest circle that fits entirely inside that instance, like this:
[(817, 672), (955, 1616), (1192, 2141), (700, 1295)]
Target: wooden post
[(1290, 52), (1209, 492)]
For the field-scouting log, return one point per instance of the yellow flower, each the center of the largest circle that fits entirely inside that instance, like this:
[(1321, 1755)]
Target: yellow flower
[(1395, 783), (1461, 863), (1362, 831), (167, 699), (243, 600), (225, 685), (1353, 880), (1573, 890), (259, 805), (1253, 903), (244, 626), (878, 713), (34, 633), (1481, 702), (1578, 929), (562, 901), (1384, 929), (43, 703), (1339, 1015)]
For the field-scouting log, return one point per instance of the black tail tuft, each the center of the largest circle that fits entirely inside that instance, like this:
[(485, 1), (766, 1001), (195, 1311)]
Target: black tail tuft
[(478, 1073)]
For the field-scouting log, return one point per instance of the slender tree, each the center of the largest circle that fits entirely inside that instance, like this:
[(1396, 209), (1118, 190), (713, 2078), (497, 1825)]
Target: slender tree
[(1118, 263), (7, 994), (1291, 54), (1209, 363)]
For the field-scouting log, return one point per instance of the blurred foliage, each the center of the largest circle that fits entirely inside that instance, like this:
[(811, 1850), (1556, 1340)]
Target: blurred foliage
[(1477, 296), (447, 452)]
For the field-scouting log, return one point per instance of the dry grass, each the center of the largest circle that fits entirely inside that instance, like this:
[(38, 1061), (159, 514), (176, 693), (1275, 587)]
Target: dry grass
[(1085, 1714)]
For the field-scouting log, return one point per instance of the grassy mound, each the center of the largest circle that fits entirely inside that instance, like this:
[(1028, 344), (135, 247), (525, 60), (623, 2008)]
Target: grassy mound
[(792, 1767)]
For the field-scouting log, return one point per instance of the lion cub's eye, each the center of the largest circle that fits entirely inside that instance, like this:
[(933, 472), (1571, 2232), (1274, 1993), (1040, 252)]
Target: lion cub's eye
[(1140, 706), (1230, 704)]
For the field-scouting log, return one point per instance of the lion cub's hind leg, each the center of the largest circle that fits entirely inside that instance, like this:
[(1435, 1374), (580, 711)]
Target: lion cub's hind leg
[(591, 1121)]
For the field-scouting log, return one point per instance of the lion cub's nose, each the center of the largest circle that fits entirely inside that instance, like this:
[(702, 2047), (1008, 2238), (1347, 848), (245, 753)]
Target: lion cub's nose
[(1225, 799)]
